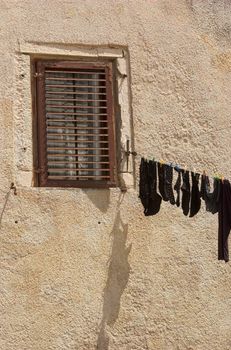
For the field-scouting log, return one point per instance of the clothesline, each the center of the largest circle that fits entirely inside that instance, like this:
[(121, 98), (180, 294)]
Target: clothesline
[(183, 168)]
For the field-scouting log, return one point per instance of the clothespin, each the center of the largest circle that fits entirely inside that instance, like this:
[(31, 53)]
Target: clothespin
[(222, 177), (177, 167), (150, 157)]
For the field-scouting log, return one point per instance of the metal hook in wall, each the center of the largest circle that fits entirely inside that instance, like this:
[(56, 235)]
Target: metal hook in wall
[(128, 152), (13, 187)]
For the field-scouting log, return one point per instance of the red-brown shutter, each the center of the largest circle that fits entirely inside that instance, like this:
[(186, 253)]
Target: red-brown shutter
[(75, 124)]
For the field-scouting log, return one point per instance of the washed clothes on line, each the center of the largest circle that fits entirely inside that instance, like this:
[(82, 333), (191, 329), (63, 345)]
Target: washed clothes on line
[(188, 197)]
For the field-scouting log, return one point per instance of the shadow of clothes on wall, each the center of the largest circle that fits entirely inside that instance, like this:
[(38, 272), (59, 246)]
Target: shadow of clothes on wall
[(118, 275)]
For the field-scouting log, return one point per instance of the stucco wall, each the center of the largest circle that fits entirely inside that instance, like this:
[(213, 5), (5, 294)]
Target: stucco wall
[(85, 268)]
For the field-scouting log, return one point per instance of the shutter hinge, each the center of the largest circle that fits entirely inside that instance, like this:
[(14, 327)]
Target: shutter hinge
[(38, 75), (110, 76), (114, 171), (39, 170)]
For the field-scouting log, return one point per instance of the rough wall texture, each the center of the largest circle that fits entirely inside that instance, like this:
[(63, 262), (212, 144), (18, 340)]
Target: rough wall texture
[(84, 269)]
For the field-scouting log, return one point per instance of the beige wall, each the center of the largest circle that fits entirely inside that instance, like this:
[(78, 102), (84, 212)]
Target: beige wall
[(85, 267)]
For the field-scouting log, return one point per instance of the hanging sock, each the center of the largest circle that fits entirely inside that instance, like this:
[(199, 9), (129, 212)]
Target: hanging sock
[(178, 186), (168, 184), (162, 179), (143, 188), (154, 198), (212, 198), (149, 197), (224, 220), (205, 186), (185, 188), (195, 203)]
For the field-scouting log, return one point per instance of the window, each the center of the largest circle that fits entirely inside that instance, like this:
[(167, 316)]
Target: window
[(75, 125)]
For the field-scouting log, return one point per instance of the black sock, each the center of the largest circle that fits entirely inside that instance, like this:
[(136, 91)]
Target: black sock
[(161, 175), (155, 199), (195, 195), (178, 186), (143, 188), (185, 188), (212, 198), (168, 184), (205, 186)]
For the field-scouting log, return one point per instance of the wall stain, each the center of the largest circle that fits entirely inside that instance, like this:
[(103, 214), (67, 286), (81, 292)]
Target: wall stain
[(223, 61), (118, 276)]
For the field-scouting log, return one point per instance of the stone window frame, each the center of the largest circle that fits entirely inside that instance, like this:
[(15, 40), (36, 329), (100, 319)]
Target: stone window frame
[(24, 110)]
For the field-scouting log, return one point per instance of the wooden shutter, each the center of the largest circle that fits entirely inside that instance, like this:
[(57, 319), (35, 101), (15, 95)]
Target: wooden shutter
[(75, 125)]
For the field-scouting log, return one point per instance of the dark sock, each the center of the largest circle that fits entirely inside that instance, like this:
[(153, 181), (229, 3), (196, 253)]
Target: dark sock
[(168, 184), (195, 195), (161, 175), (155, 199), (178, 186), (224, 220), (143, 188), (212, 198), (205, 186), (185, 188)]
